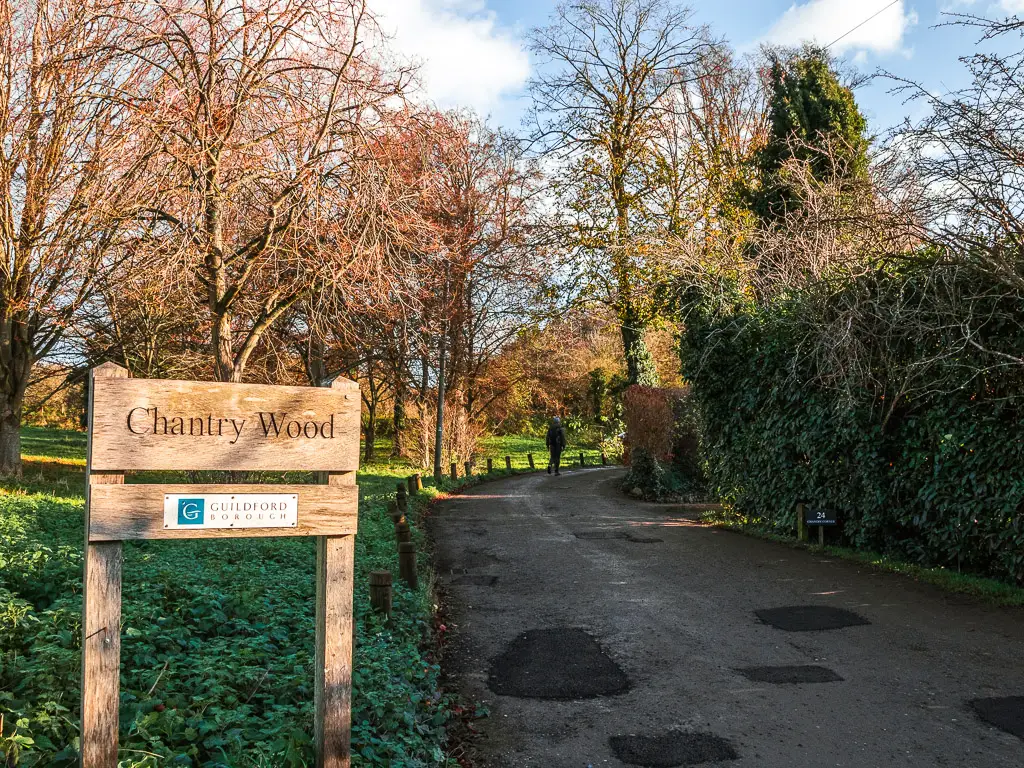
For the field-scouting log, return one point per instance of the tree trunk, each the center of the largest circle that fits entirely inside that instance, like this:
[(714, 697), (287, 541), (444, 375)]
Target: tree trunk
[(223, 357), (639, 363), (397, 446), (316, 362), (370, 434), (10, 439), (12, 398), (439, 421)]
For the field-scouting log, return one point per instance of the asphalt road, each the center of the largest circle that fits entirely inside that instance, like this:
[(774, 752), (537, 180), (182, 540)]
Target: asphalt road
[(675, 620)]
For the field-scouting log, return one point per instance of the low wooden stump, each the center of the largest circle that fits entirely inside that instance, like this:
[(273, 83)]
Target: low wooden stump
[(508, 462), (469, 468), (455, 471), (582, 462), (381, 592)]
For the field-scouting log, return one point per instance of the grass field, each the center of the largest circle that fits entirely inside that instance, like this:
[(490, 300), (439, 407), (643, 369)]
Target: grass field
[(519, 447), (217, 638)]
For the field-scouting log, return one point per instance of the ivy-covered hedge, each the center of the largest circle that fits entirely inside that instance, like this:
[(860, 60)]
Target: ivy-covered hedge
[(910, 429)]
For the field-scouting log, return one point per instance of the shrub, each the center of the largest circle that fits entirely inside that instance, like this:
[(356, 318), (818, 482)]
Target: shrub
[(646, 477), (922, 454), (650, 421), (662, 435)]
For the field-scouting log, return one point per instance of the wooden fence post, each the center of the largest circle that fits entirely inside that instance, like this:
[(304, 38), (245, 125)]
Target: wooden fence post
[(490, 465), (469, 468), (403, 533), (508, 462), (407, 564), (455, 471), (604, 460), (529, 458), (101, 621)]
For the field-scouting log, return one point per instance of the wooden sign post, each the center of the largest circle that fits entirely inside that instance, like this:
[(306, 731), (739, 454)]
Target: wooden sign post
[(813, 516), (150, 424)]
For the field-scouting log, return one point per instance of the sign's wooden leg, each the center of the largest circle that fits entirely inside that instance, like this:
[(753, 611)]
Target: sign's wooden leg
[(101, 653), (101, 618), (335, 559)]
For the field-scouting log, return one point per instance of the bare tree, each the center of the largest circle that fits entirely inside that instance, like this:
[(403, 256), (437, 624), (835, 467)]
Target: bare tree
[(609, 71), (264, 112), (968, 155), (69, 166)]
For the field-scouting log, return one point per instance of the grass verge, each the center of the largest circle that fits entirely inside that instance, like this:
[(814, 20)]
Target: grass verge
[(988, 590)]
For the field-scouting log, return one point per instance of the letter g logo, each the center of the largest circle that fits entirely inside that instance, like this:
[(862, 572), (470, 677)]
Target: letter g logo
[(190, 511)]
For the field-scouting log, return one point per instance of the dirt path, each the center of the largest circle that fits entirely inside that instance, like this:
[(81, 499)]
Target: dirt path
[(638, 631)]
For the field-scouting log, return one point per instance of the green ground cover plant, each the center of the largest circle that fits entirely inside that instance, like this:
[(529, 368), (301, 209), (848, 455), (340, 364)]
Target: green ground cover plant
[(217, 637)]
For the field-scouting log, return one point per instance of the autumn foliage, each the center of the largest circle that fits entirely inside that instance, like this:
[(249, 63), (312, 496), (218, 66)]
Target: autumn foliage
[(650, 416)]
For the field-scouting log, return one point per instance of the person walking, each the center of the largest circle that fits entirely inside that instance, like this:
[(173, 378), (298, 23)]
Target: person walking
[(556, 444)]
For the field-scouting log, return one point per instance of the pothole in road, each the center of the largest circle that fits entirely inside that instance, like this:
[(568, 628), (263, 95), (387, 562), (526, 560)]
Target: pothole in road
[(1005, 713), (790, 675), (475, 580), (810, 618), (600, 535), (636, 538), (671, 749), (559, 663)]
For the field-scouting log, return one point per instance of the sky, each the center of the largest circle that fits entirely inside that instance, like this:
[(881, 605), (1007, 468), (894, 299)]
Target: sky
[(473, 53)]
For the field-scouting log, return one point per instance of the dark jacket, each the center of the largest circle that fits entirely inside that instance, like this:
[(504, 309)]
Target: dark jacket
[(556, 438)]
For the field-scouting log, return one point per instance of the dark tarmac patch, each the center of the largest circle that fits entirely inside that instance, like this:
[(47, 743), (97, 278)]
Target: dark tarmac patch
[(790, 675), (810, 618), (1006, 713), (671, 749), (559, 663), (476, 580), (600, 535), (638, 538)]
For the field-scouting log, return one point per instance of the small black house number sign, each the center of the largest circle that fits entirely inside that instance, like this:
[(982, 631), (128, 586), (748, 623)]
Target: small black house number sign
[(815, 516)]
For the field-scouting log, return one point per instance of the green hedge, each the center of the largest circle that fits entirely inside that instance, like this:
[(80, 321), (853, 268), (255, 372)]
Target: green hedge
[(919, 444)]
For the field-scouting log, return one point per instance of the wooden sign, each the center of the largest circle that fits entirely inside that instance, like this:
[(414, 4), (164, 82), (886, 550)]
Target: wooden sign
[(122, 512), (817, 516), (145, 424), (158, 424)]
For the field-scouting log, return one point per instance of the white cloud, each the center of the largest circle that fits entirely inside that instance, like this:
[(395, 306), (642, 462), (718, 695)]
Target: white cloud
[(1012, 6), (825, 21), (467, 59)]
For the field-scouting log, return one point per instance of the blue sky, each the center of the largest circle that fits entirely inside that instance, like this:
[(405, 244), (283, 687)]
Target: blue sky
[(473, 51)]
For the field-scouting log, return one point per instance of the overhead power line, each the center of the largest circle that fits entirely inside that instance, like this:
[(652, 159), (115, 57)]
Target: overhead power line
[(872, 17)]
